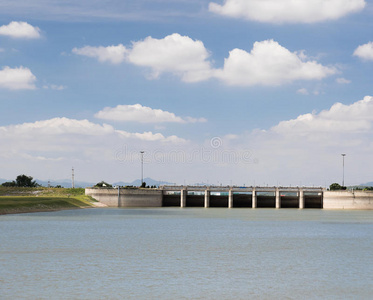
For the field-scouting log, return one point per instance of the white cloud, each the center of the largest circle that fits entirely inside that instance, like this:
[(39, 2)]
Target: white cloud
[(339, 119), (152, 137), (112, 54), (179, 55), (175, 54), (17, 79), (343, 81), (20, 30), (69, 127), (57, 126), (54, 87), (95, 149), (365, 51), (303, 91), (287, 11), (307, 150), (142, 114), (269, 63)]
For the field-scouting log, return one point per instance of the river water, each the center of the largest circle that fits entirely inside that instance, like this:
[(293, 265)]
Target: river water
[(191, 253)]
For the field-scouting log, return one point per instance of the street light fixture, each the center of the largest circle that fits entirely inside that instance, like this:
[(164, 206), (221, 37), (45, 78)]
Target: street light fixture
[(142, 167), (343, 168)]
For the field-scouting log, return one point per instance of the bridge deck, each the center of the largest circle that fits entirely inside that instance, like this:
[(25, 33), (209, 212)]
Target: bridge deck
[(225, 189)]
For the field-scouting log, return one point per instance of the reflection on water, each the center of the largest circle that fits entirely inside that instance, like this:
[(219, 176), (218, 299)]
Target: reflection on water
[(173, 253)]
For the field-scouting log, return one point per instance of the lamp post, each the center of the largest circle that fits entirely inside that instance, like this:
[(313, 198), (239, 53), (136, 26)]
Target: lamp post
[(142, 167), (343, 169)]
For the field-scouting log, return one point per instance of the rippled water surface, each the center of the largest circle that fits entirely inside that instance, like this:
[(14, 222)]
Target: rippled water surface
[(172, 253)]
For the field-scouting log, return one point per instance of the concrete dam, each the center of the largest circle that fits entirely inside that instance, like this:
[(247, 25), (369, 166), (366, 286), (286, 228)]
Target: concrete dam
[(233, 197)]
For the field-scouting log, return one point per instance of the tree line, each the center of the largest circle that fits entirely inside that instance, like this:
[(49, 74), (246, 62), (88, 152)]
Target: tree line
[(22, 181)]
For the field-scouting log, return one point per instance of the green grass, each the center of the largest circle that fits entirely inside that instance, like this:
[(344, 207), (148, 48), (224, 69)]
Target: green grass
[(21, 200)]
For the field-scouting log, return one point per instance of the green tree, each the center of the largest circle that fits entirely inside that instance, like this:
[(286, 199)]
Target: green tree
[(9, 184), (336, 187), (103, 184), (25, 181)]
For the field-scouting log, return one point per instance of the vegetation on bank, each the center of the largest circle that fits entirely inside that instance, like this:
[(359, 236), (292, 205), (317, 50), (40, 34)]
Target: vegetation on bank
[(36, 199), (21, 181), (338, 187), (104, 184)]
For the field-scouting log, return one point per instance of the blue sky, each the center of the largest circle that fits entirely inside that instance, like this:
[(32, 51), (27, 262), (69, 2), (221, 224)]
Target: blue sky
[(224, 92)]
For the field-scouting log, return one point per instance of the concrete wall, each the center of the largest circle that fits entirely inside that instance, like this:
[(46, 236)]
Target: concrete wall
[(127, 197), (155, 198), (106, 196), (348, 200)]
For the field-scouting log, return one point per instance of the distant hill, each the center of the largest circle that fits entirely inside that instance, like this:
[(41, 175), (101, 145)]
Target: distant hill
[(66, 183), (148, 181), (367, 184)]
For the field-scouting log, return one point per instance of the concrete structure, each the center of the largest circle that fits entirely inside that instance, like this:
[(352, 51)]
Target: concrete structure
[(231, 197), (276, 197), (348, 200), (126, 197), (207, 198), (254, 198)]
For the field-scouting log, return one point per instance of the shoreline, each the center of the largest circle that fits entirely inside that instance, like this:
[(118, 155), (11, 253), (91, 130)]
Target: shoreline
[(29, 200), (31, 210), (35, 209)]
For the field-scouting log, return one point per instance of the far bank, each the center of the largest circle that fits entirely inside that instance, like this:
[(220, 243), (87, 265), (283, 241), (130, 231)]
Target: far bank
[(14, 200)]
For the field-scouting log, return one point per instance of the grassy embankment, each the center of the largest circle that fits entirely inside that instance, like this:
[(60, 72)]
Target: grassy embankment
[(24, 200)]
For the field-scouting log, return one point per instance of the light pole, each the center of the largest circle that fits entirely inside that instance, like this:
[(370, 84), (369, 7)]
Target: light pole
[(343, 169), (142, 167)]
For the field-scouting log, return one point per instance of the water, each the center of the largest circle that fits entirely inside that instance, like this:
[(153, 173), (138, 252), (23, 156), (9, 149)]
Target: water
[(173, 253)]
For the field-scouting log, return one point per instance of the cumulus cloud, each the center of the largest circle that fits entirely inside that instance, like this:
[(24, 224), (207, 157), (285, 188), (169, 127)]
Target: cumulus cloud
[(142, 114), (306, 150), (112, 54), (269, 63), (64, 126), (95, 149), (176, 54), (365, 51), (287, 11), (340, 118), (17, 79), (20, 30)]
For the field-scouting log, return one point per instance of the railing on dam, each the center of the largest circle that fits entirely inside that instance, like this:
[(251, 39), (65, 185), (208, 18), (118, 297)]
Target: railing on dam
[(232, 196)]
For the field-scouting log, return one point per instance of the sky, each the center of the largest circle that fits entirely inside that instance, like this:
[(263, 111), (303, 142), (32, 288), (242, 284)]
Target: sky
[(233, 92)]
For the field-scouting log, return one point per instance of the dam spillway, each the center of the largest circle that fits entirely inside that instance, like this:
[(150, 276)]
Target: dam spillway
[(249, 197), (211, 196)]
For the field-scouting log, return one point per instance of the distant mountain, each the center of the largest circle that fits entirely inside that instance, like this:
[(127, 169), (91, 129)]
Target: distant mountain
[(66, 183), (148, 181), (367, 184)]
